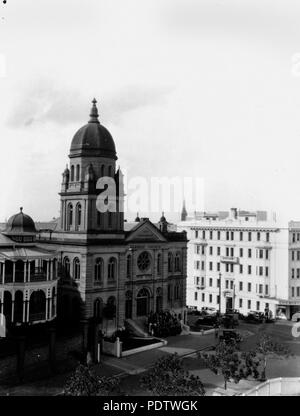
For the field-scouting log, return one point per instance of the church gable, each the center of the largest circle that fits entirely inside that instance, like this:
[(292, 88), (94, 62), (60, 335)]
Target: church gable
[(146, 231)]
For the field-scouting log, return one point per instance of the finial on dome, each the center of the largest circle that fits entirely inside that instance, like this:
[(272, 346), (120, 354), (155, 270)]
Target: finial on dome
[(21, 209), (94, 112)]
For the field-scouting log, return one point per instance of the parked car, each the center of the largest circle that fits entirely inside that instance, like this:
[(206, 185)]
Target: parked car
[(209, 320), (228, 335), (255, 317), (208, 311)]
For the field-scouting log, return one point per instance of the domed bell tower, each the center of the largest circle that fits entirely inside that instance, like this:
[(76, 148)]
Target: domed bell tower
[(92, 156)]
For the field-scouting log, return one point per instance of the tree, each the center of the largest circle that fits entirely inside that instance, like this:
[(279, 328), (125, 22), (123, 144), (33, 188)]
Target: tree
[(169, 378), (267, 346), (230, 362), (84, 382)]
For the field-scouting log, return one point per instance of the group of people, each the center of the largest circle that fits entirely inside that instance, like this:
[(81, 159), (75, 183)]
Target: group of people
[(164, 323)]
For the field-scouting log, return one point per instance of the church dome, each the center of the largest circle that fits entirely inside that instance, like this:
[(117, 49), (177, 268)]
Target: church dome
[(93, 139), (20, 224)]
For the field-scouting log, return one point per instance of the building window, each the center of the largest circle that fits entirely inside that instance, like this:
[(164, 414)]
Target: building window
[(196, 234), (66, 266), (210, 251), (267, 254), (203, 235), (241, 286), (227, 284), (76, 270), (267, 237), (293, 273), (249, 287), (293, 255), (142, 303), (249, 269), (267, 289), (219, 235), (227, 267), (218, 299), (70, 215), (218, 282), (170, 262), (298, 255), (210, 265), (241, 303), (196, 296), (249, 304), (203, 250), (249, 236), (258, 236), (218, 251), (298, 273), (260, 289), (112, 269), (241, 252), (129, 266), (261, 254), (267, 271), (72, 173), (210, 282), (210, 298), (257, 306), (298, 236), (232, 251), (232, 235), (176, 292), (227, 235), (227, 251), (241, 268), (77, 173), (293, 291), (241, 235), (78, 215), (211, 235), (249, 253), (202, 265), (99, 270), (261, 270), (298, 291), (203, 297), (294, 237), (177, 262), (158, 264), (144, 261), (218, 267)]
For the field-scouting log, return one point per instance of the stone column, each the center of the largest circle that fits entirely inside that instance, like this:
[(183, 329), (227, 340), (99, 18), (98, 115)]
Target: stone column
[(25, 270), (12, 310), (14, 271), (24, 310), (29, 267), (48, 274), (3, 273), (50, 308), (27, 311)]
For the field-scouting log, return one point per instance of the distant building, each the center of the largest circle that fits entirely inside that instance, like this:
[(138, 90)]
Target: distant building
[(256, 262)]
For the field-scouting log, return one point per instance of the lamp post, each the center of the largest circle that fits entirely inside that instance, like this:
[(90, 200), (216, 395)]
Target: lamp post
[(220, 275)]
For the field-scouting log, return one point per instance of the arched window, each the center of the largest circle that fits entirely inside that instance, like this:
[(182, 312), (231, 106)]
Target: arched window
[(102, 170), (78, 215), (129, 266), (159, 299), (72, 173), (98, 270), (170, 262), (98, 308), (110, 171), (66, 266), (70, 216), (177, 262), (158, 264), (176, 292), (112, 269), (142, 302), (77, 173), (76, 268)]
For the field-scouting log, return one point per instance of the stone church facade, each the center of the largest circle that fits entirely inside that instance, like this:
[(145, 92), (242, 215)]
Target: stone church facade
[(110, 269)]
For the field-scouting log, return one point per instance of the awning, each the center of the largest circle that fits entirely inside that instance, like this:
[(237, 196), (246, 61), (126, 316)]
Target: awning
[(26, 253)]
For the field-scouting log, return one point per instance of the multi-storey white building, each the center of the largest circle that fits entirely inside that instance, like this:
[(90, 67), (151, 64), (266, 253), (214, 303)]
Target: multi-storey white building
[(243, 259)]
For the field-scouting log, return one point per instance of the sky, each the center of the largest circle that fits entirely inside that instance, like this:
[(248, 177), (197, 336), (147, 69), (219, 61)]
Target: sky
[(188, 88)]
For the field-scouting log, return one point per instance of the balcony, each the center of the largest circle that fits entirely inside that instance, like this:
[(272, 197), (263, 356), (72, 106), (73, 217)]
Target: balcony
[(229, 259)]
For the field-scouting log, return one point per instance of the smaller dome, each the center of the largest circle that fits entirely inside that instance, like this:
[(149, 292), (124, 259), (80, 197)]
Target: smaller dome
[(163, 218), (20, 224)]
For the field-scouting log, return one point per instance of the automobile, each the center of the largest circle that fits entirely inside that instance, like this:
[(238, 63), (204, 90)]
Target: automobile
[(205, 310), (255, 317), (228, 335), (230, 320), (209, 320), (296, 317), (236, 311)]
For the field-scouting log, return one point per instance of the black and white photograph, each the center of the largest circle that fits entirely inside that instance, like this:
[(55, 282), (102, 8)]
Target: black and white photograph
[(150, 202)]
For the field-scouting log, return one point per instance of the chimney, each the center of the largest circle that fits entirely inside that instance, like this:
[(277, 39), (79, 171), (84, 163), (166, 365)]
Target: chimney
[(233, 213)]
